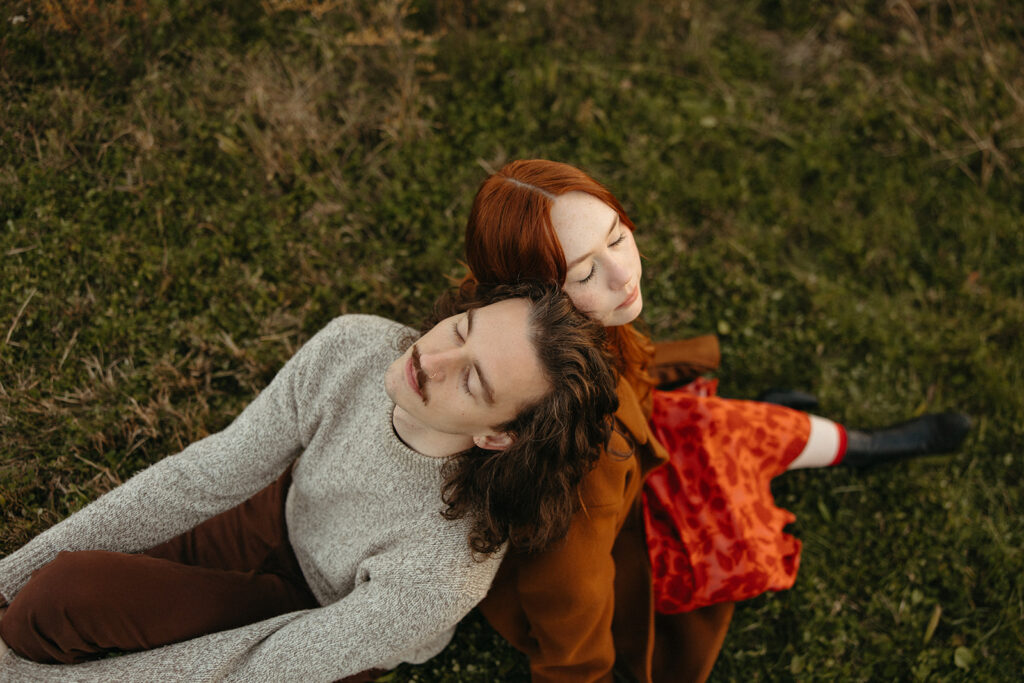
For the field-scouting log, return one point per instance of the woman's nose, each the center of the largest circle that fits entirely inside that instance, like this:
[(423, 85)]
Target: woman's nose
[(618, 275)]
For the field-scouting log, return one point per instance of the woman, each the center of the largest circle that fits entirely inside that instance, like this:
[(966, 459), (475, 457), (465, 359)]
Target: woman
[(713, 533)]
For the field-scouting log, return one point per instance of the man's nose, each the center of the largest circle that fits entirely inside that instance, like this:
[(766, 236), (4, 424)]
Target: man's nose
[(437, 364)]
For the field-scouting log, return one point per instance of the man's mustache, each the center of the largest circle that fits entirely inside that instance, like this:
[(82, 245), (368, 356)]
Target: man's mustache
[(421, 376)]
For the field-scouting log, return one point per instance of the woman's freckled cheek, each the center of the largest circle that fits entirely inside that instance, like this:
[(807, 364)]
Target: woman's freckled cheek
[(582, 301)]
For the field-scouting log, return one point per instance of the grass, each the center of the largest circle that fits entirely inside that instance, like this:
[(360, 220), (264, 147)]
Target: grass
[(188, 193)]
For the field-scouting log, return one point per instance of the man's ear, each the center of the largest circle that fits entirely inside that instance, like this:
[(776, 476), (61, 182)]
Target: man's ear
[(497, 441)]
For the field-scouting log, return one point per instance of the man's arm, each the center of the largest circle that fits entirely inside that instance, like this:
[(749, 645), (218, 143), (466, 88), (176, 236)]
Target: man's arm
[(181, 491), (405, 608)]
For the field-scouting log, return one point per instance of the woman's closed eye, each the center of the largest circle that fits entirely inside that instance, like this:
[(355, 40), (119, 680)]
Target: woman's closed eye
[(593, 267)]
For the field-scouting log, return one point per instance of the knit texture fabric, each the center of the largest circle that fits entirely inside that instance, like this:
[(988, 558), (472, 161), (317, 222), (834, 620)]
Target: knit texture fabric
[(392, 576)]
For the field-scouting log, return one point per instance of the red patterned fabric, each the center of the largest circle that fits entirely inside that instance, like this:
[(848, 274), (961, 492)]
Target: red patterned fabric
[(714, 533)]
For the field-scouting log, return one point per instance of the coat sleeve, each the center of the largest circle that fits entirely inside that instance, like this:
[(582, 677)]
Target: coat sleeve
[(557, 606), (676, 362)]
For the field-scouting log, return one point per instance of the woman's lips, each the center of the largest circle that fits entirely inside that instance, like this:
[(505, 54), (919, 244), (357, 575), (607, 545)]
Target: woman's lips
[(630, 299)]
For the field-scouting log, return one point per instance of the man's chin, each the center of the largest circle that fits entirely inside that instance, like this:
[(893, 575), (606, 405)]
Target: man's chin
[(392, 379)]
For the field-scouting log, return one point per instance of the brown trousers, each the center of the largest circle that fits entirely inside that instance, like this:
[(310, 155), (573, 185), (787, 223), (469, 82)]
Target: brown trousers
[(232, 570)]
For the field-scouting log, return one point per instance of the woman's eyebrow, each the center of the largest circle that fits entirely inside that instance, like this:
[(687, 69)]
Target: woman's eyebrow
[(615, 222)]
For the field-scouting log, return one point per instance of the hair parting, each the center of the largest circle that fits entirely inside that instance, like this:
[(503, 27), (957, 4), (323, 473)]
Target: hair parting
[(509, 236)]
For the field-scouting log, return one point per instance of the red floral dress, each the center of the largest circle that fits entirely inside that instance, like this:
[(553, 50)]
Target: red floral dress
[(714, 533)]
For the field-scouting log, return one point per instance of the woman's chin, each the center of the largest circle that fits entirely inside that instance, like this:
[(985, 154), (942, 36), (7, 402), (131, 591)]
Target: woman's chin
[(623, 316)]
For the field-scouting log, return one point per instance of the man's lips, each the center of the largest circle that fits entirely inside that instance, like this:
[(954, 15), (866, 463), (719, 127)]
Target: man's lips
[(631, 298), (410, 377)]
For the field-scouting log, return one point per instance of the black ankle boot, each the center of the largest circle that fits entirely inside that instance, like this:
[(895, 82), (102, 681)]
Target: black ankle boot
[(928, 434)]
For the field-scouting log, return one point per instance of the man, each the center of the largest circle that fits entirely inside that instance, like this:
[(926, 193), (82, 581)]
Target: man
[(382, 525)]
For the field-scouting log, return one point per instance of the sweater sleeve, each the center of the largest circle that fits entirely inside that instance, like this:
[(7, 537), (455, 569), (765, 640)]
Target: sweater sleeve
[(181, 491), (404, 608)]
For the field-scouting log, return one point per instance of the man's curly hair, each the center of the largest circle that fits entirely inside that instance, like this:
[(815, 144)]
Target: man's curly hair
[(528, 493)]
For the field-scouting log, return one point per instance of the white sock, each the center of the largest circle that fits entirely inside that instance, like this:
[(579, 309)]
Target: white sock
[(826, 445)]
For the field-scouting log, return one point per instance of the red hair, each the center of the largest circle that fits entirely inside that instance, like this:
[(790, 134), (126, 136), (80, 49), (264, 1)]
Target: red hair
[(510, 237)]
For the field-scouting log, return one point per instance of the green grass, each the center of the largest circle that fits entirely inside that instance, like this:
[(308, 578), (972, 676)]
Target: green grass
[(186, 194)]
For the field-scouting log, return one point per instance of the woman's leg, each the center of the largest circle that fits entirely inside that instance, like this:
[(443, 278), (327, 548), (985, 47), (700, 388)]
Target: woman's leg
[(830, 443)]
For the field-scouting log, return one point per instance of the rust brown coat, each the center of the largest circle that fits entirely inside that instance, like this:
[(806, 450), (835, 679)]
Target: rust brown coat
[(584, 607)]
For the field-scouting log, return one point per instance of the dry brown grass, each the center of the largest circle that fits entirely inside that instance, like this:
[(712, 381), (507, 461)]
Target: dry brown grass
[(967, 133), (99, 17)]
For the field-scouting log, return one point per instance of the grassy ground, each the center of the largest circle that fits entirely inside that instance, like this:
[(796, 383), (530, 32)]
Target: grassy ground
[(187, 193)]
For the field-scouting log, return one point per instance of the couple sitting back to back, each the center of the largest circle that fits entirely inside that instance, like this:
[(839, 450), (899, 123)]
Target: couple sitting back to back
[(361, 505)]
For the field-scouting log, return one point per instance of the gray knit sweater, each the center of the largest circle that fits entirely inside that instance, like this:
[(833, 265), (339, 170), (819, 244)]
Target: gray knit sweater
[(392, 576)]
